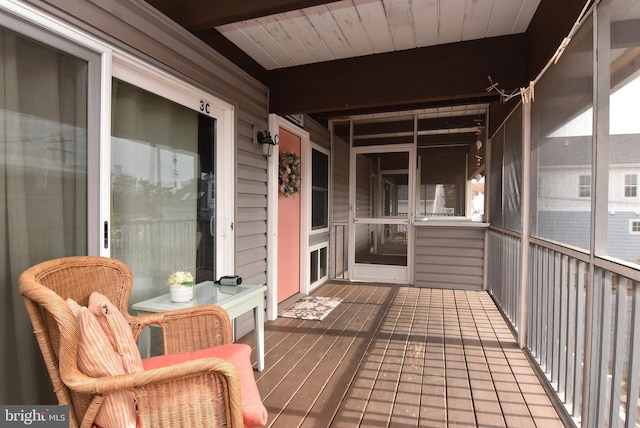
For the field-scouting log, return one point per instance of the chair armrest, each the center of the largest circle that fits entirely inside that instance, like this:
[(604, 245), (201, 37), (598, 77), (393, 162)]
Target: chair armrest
[(156, 390), (187, 330)]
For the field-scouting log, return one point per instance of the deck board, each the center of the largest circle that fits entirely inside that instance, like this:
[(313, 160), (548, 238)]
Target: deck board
[(400, 356)]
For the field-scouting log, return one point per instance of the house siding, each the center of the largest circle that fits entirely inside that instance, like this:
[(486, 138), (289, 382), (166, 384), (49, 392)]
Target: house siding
[(339, 204), (450, 257), (340, 180)]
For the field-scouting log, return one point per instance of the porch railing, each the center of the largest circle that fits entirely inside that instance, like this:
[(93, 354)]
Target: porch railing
[(505, 251), (583, 326)]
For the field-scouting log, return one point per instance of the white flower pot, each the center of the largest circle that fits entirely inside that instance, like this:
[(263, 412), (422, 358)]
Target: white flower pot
[(180, 294)]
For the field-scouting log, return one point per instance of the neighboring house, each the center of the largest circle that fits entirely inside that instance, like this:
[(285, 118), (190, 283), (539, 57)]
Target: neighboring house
[(564, 190)]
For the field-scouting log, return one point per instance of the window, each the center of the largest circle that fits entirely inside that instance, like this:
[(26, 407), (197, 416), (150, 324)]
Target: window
[(319, 189), (630, 186), (318, 264), (442, 182), (584, 186), (48, 136), (634, 226)]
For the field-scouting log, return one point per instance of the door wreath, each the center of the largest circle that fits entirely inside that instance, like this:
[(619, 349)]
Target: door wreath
[(289, 173)]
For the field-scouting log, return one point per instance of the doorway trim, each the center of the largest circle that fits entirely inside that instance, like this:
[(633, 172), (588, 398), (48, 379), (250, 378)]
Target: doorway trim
[(275, 123)]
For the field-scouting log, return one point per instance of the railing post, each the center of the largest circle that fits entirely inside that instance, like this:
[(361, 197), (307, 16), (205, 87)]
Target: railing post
[(526, 229)]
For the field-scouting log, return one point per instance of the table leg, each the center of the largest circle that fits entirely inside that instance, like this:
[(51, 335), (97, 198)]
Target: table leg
[(258, 316), (144, 343)]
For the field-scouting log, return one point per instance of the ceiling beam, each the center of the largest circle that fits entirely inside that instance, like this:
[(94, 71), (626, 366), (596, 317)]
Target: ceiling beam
[(550, 25), (233, 53), (451, 73), (205, 14)]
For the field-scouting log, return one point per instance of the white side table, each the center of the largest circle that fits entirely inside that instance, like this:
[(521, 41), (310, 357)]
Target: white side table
[(236, 300)]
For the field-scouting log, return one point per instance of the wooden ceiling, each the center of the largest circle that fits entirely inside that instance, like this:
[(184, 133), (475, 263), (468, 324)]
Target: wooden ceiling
[(355, 28), (330, 59)]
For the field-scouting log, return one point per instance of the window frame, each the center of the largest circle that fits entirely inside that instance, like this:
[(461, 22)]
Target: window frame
[(319, 279), (582, 186), (320, 149), (55, 34), (631, 187)]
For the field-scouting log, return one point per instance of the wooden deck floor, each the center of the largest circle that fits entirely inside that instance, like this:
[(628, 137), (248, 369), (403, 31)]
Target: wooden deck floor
[(400, 357)]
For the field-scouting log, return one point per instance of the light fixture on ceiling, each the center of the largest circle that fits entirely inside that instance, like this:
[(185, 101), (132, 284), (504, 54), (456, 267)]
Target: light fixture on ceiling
[(267, 142)]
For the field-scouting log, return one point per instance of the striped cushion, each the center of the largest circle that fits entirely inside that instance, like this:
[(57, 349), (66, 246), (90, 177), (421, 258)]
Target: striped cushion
[(118, 331), (97, 358)]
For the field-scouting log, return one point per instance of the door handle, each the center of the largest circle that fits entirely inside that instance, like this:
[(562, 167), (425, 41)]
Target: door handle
[(212, 226)]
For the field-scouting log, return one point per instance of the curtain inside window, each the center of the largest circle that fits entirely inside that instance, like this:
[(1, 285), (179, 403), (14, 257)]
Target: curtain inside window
[(154, 188), (43, 191)]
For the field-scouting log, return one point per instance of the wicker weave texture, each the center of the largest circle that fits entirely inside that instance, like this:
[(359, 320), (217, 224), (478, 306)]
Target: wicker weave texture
[(200, 393)]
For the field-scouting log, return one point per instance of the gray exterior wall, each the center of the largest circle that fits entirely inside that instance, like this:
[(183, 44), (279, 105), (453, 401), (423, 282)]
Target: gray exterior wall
[(339, 180), (450, 257), (140, 30), (339, 203)]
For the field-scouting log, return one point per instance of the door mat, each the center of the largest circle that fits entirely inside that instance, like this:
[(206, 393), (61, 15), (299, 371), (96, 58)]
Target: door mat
[(311, 308)]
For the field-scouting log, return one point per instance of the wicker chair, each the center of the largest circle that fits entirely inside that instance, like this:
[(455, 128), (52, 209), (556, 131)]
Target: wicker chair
[(200, 393)]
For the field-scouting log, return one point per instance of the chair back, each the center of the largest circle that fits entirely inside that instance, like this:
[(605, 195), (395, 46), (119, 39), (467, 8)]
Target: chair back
[(45, 288)]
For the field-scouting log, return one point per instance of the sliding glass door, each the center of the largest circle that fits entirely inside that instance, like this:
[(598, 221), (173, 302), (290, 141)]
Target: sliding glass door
[(49, 180), (165, 204)]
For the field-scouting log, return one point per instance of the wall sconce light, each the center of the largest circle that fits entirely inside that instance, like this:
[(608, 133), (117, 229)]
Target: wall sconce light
[(267, 142)]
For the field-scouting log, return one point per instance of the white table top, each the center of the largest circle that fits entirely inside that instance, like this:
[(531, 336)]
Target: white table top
[(204, 293)]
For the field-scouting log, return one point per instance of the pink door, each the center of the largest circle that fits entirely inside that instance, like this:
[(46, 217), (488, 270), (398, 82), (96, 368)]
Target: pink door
[(288, 228)]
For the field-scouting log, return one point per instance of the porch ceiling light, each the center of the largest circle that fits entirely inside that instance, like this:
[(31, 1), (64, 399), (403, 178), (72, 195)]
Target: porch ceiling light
[(267, 142)]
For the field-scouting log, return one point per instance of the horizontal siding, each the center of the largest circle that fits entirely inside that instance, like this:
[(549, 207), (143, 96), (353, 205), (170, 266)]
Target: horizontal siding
[(251, 208), (249, 242), (440, 251), (340, 181), (318, 134), (318, 238), (139, 29), (449, 257)]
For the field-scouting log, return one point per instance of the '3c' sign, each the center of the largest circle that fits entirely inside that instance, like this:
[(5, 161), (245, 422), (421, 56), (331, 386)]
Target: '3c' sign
[(205, 107)]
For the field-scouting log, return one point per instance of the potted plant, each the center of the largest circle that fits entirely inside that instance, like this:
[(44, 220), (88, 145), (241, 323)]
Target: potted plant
[(180, 286)]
